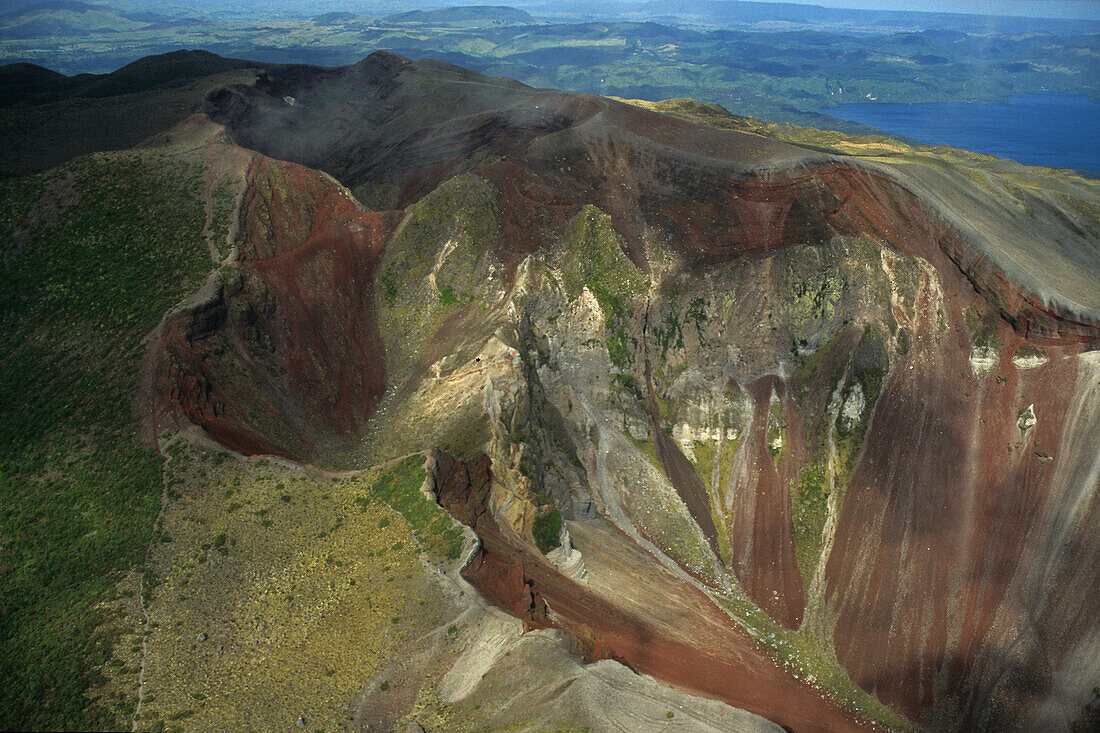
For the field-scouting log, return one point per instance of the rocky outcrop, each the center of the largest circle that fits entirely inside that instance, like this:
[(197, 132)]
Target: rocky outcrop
[(281, 353), (728, 667), (954, 490), (789, 405), (713, 194)]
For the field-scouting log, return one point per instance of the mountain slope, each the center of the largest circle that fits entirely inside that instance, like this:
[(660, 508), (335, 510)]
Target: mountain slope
[(480, 14), (884, 281), (94, 252), (64, 18), (797, 422), (49, 118)]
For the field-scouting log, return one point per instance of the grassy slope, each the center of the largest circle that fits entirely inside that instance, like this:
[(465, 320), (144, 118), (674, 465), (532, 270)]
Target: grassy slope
[(280, 594), (94, 253)]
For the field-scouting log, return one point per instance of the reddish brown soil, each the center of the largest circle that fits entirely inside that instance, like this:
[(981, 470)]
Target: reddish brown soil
[(286, 358), (761, 545), (713, 194), (722, 663), (714, 212), (940, 551), (941, 522)]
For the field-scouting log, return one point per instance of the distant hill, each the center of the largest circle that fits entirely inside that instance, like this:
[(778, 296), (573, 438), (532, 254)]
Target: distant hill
[(790, 16), (23, 80), (65, 18), (47, 118), (336, 18), (494, 14), (29, 84), (167, 68)]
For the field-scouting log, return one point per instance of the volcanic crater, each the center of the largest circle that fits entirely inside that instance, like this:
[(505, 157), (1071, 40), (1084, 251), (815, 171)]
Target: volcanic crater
[(740, 368)]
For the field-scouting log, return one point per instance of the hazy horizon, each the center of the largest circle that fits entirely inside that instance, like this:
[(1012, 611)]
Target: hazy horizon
[(1065, 9), (1050, 9)]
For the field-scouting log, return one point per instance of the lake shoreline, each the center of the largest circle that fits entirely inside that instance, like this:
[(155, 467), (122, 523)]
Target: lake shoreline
[(1051, 129)]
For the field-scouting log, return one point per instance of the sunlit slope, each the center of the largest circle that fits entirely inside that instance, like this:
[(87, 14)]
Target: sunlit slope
[(728, 404)]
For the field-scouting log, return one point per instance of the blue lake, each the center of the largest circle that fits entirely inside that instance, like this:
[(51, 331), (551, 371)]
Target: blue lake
[(1058, 130)]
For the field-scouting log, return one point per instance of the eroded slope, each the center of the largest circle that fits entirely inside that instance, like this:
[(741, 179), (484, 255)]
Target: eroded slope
[(815, 399)]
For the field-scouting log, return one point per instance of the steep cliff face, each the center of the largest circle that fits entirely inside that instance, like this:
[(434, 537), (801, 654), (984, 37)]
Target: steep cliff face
[(961, 486), (281, 352), (814, 445)]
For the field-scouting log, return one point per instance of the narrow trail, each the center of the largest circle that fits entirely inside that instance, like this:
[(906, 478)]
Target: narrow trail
[(208, 233), (147, 626)]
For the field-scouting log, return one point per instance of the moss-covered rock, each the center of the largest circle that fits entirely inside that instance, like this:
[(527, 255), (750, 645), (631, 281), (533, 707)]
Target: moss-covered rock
[(594, 257)]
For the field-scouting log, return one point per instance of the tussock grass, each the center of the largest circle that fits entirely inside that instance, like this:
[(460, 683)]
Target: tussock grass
[(94, 252)]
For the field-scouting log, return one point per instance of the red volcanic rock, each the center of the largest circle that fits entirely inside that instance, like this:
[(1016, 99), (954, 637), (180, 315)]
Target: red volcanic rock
[(283, 354), (959, 515), (712, 194), (951, 518), (761, 546), (463, 490), (706, 652), (508, 587)]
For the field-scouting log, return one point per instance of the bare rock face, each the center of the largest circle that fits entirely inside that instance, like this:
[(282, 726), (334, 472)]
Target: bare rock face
[(281, 354), (827, 449)]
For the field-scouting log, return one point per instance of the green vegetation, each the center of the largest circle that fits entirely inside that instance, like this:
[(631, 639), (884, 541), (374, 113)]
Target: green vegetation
[(459, 212), (94, 253), (667, 522), (547, 530), (648, 449), (595, 257), (463, 16), (439, 263), (618, 349), (399, 487), (319, 591), (705, 454), (810, 659), (1029, 350), (825, 356), (466, 440), (868, 368), (669, 334), (809, 509), (447, 296), (224, 198), (697, 313), (627, 382), (775, 437), (983, 329), (813, 295), (439, 259)]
